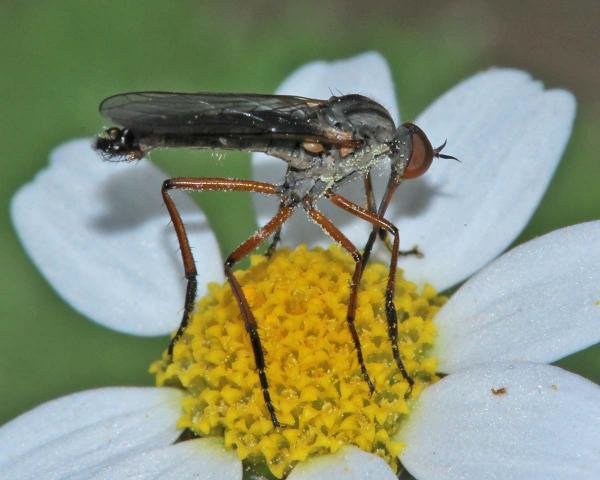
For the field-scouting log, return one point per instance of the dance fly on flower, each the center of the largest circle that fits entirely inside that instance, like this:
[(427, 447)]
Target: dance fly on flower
[(325, 144)]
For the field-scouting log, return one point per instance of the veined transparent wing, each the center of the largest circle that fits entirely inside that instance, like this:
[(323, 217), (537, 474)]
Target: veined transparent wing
[(239, 119)]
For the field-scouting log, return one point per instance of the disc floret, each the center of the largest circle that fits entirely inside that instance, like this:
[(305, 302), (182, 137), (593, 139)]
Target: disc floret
[(300, 299)]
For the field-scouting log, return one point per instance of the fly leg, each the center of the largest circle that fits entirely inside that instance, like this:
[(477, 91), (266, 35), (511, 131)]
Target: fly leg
[(414, 251), (372, 207), (342, 240), (220, 184), (369, 194), (250, 322), (273, 246), (276, 238), (390, 309), (382, 232), (199, 184)]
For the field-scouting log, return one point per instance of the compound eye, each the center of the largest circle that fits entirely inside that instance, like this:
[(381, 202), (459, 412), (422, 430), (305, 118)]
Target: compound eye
[(421, 155)]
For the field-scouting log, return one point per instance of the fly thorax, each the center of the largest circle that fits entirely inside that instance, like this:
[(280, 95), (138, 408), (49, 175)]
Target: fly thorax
[(361, 160), (297, 184)]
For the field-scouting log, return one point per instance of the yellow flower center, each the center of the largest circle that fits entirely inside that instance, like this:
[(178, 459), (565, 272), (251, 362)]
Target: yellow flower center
[(300, 301)]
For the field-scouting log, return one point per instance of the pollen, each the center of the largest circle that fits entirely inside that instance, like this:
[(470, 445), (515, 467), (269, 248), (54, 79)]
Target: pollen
[(300, 299)]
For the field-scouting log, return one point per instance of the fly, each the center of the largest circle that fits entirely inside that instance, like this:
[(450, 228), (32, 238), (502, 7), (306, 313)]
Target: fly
[(325, 143)]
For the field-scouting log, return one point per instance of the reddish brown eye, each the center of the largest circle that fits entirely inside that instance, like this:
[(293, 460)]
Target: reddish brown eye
[(421, 155)]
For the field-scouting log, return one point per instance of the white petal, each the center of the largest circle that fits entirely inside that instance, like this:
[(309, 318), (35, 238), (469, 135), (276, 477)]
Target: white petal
[(367, 74), (539, 302), (87, 430), (509, 134), (545, 424), (202, 459), (349, 463), (99, 233)]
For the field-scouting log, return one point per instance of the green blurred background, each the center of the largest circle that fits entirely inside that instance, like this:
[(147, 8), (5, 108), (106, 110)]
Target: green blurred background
[(60, 58)]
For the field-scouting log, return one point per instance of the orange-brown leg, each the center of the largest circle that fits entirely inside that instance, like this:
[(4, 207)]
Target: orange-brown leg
[(220, 184), (370, 198), (369, 194), (250, 322), (371, 205), (390, 309), (340, 238), (276, 238), (199, 184)]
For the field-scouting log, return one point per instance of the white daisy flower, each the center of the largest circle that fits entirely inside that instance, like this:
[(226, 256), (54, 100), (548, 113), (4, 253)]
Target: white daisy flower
[(99, 234)]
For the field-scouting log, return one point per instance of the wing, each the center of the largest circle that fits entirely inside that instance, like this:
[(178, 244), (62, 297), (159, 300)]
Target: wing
[(223, 119)]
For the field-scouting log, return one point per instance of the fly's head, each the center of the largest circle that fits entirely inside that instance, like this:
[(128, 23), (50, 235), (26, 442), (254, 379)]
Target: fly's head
[(412, 153), (118, 144)]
